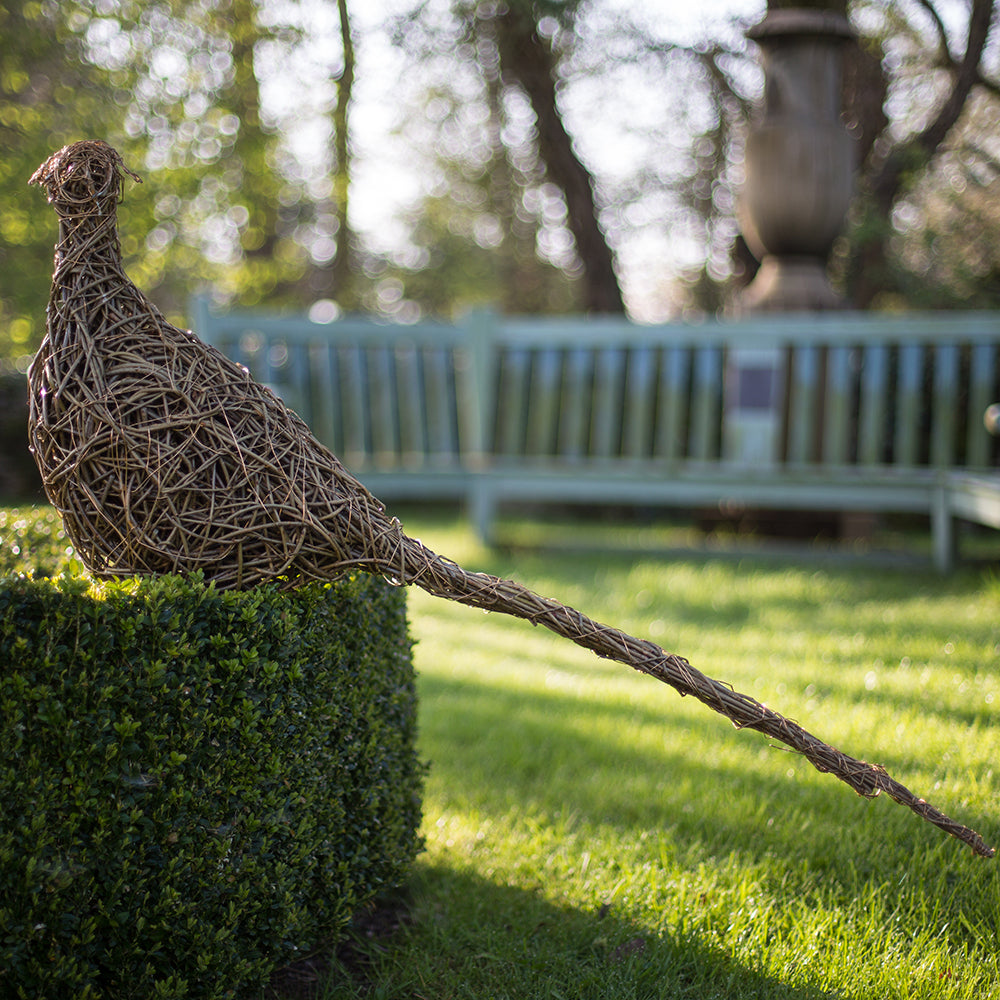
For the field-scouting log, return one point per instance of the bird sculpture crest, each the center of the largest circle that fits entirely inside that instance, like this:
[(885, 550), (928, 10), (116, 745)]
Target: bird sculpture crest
[(164, 456)]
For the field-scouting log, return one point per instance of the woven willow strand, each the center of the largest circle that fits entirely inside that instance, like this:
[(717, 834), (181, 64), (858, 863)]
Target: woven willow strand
[(163, 456)]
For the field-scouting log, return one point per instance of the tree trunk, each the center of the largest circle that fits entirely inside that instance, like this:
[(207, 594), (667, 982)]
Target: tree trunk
[(526, 59), (340, 267)]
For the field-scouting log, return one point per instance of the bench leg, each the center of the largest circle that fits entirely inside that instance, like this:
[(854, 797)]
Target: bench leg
[(482, 509), (943, 531)]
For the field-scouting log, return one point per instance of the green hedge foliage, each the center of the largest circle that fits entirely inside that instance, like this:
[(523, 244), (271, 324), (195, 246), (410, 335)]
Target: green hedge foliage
[(195, 785)]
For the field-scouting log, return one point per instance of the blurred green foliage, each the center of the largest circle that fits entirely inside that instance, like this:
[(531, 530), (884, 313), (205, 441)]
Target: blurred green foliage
[(175, 90), (239, 197), (34, 544), (49, 94)]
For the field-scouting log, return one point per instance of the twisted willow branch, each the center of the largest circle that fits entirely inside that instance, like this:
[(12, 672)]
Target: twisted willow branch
[(164, 456)]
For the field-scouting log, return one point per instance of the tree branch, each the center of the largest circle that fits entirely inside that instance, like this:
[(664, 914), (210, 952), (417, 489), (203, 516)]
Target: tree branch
[(889, 178), (340, 266)]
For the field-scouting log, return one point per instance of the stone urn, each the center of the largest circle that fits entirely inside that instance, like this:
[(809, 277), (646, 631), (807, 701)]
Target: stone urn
[(799, 161)]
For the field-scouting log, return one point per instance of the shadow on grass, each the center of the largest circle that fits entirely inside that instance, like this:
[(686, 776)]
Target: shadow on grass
[(889, 549), (499, 752), (469, 937), (856, 579)]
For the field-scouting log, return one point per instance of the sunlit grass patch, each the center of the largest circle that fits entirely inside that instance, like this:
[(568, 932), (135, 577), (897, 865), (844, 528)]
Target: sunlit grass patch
[(591, 834)]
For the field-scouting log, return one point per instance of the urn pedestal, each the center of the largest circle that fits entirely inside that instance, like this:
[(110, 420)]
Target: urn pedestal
[(799, 164)]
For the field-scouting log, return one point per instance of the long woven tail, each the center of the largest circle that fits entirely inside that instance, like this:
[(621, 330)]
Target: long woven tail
[(444, 578)]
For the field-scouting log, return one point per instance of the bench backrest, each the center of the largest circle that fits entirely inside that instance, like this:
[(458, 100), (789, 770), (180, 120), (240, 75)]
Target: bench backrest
[(904, 391)]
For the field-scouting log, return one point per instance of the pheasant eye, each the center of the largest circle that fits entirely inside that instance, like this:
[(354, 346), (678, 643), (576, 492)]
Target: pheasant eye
[(88, 177)]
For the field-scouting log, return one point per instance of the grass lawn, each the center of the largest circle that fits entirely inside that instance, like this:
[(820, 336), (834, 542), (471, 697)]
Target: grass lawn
[(590, 834)]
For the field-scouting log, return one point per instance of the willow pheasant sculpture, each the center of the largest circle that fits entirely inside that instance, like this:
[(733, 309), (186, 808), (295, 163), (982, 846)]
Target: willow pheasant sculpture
[(163, 456)]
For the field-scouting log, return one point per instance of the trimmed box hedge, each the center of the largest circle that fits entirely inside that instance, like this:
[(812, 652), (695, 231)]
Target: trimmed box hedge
[(196, 786)]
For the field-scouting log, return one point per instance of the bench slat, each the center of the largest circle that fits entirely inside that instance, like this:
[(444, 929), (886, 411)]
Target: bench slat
[(323, 395), (640, 403), (836, 429), (707, 393), (605, 426), (574, 404), (381, 385), (982, 372), (675, 365), (909, 380), (410, 404), (802, 409), (512, 402), (442, 444), (874, 380), (300, 373), (543, 402), (944, 405), (357, 433)]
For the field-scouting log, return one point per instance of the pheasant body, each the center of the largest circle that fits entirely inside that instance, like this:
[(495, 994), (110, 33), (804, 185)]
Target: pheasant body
[(164, 456)]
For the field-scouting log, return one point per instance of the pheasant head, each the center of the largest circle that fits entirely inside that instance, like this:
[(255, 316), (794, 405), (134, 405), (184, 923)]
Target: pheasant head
[(84, 182)]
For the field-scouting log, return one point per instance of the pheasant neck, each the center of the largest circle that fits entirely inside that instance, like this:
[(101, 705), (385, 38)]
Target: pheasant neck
[(91, 237)]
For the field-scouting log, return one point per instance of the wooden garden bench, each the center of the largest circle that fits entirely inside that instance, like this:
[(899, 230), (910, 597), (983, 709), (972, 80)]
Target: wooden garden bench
[(823, 412)]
